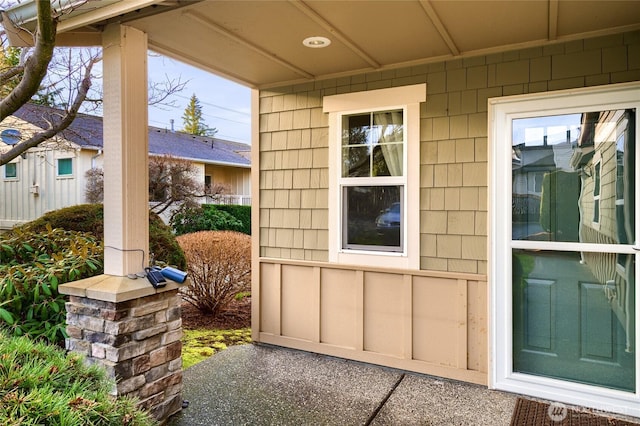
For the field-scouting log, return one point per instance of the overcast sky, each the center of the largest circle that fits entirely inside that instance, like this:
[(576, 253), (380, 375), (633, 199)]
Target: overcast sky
[(226, 106)]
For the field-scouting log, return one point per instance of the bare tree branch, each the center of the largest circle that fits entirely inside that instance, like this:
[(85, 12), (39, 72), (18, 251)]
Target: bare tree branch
[(171, 181), (57, 126), (62, 81), (159, 92), (35, 67), (10, 73)]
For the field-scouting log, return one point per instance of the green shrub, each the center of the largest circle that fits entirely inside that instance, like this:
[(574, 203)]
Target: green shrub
[(90, 218), (32, 266), (41, 385), (83, 218), (189, 219), (242, 213), (163, 244)]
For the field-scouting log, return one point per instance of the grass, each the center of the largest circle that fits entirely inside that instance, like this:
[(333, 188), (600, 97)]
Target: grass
[(200, 344), (43, 385)]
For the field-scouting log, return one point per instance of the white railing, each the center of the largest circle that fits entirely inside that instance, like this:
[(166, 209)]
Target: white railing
[(241, 200)]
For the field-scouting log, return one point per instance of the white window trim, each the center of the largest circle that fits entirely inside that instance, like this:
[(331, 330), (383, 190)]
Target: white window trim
[(501, 374), (73, 167), (12, 178), (407, 98)]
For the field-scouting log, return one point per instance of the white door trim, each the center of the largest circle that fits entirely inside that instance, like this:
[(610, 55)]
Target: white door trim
[(501, 112)]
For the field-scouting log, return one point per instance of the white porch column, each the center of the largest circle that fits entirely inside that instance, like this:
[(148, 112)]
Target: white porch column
[(126, 148)]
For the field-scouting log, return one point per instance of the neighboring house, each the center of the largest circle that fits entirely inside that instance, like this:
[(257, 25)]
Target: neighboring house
[(52, 175), (416, 102)]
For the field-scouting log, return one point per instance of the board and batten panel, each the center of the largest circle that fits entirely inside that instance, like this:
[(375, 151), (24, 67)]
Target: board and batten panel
[(434, 320), (477, 321), (384, 313), (270, 298), (431, 323), (299, 302), (340, 296)]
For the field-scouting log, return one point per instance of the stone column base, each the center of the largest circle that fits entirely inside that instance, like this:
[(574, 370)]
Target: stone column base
[(134, 331)]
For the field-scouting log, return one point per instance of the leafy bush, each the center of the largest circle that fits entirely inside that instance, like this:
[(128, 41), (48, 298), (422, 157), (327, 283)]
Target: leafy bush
[(163, 244), (242, 213), (90, 218), (32, 265), (190, 219), (219, 266), (83, 218), (41, 385)]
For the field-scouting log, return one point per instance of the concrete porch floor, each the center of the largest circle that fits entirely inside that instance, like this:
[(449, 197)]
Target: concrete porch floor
[(266, 385)]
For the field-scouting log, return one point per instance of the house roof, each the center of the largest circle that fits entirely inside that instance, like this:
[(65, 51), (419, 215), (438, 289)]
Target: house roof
[(86, 132), (260, 43)]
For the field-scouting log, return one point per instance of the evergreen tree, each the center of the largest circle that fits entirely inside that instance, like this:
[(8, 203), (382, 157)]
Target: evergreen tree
[(192, 118)]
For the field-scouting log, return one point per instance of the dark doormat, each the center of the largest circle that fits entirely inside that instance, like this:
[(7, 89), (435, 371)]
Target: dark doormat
[(535, 413)]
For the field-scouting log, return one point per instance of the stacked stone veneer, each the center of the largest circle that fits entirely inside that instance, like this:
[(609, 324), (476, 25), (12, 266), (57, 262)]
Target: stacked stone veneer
[(137, 341)]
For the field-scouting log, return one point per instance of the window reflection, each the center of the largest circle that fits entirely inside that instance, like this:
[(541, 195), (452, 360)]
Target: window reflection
[(573, 177), (373, 217)]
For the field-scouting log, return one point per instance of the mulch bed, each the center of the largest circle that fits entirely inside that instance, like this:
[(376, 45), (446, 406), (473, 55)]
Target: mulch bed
[(237, 316), (528, 412)]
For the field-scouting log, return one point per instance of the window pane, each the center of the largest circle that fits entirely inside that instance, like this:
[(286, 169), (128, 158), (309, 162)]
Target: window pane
[(356, 161), (388, 126), (387, 160), (356, 129), (373, 218), (11, 170), (587, 164), (372, 144), (574, 317), (388, 135), (65, 166)]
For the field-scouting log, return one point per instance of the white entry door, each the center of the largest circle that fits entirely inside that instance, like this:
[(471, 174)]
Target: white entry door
[(564, 231)]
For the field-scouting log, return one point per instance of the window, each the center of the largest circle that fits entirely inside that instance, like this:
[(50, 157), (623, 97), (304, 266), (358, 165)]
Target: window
[(372, 181), (11, 171), (65, 166), (374, 176)]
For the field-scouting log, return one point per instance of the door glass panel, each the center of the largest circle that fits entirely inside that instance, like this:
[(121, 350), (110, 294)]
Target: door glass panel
[(573, 180), (573, 317)]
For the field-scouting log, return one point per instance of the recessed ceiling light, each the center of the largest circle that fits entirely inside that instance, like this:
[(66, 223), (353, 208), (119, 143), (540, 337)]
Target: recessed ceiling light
[(316, 42)]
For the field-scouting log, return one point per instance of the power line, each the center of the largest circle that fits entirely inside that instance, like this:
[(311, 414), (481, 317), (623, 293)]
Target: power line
[(217, 117), (214, 105), (227, 119)]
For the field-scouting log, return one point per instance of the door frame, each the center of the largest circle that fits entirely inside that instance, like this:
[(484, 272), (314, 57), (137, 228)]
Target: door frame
[(500, 113)]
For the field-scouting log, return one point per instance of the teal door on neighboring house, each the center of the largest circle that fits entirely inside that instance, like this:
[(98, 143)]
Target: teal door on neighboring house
[(573, 233)]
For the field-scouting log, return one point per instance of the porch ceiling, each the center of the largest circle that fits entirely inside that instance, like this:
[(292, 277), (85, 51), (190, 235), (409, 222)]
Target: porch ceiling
[(259, 43)]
